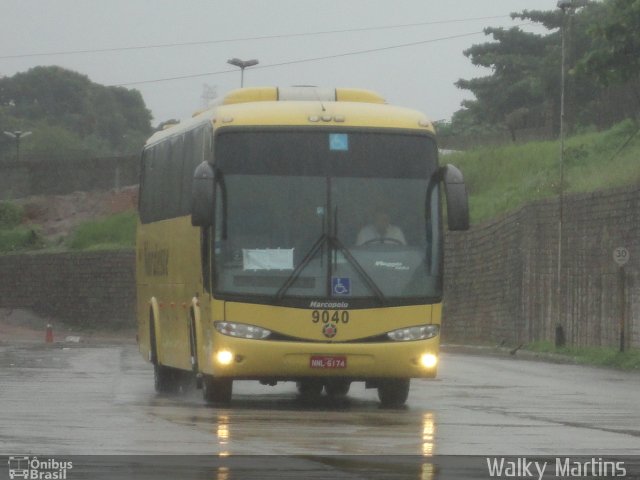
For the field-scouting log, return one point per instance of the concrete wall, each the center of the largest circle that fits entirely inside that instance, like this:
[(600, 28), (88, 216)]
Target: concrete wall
[(27, 178), (501, 282), (86, 289)]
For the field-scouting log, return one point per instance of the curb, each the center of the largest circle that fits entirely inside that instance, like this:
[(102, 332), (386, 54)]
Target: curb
[(514, 353)]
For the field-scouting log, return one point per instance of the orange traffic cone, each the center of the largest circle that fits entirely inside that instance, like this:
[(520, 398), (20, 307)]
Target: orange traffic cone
[(48, 338)]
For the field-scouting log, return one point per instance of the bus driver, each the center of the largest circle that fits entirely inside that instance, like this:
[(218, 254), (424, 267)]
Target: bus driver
[(381, 231)]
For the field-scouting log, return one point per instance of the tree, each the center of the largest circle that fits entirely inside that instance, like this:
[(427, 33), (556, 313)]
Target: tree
[(85, 116), (523, 89), (517, 92), (615, 57)]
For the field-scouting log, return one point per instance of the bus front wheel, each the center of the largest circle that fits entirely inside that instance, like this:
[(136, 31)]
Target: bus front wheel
[(337, 387), (309, 388), (393, 392), (217, 390)]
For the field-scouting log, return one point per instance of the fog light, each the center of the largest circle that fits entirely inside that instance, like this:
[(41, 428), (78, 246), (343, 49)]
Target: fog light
[(224, 357), (428, 360)]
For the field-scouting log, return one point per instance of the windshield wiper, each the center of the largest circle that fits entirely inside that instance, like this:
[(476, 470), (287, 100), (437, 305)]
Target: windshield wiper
[(335, 245), (291, 279), (338, 245)]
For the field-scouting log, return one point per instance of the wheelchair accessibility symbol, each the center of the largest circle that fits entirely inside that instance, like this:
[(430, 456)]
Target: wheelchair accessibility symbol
[(341, 285)]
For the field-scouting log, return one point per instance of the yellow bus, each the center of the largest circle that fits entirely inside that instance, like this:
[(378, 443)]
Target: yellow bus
[(294, 234)]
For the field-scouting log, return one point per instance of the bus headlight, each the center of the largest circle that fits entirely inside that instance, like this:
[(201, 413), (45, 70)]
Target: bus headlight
[(241, 330), (421, 332), (224, 357), (428, 360)]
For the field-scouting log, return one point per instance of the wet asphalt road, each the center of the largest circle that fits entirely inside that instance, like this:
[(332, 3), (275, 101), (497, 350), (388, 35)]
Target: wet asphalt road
[(99, 399)]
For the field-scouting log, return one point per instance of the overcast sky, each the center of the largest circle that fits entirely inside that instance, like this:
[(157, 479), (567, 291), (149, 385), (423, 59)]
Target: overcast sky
[(420, 76)]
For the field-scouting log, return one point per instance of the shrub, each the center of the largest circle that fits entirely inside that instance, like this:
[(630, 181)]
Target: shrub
[(20, 238), (10, 215), (116, 231)]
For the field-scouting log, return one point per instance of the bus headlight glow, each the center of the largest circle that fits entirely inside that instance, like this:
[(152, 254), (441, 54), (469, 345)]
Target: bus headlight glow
[(224, 357), (420, 332), (428, 360), (242, 330)]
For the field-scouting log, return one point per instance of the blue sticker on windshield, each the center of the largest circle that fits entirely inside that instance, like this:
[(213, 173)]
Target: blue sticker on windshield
[(339, 142)]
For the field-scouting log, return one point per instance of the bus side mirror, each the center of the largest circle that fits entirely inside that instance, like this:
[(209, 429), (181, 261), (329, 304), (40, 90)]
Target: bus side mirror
[(457, 200), (202, 196)]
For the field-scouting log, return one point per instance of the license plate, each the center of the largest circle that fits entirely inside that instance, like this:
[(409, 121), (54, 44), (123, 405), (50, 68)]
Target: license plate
[(323, 361)]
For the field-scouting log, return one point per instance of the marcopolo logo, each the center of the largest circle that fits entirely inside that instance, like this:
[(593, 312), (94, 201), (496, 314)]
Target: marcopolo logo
[(317, 304), (38, 469)]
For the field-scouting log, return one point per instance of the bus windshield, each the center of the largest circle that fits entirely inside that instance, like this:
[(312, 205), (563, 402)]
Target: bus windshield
[(329, 214)]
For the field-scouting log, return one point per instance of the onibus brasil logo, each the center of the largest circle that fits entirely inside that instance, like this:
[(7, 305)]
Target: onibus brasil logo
[(36, 469)]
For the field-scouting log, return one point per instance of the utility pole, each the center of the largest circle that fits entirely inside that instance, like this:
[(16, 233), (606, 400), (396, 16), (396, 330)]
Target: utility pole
[(566, 6)]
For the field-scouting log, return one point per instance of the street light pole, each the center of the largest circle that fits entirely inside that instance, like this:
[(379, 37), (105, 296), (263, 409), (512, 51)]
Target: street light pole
[(565, 6), (17, 135), (242, 64)]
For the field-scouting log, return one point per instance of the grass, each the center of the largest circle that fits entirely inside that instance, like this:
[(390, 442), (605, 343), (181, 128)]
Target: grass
[(10, 215), (19, 238), (503, 178), (599, 356), (13, 237), (113, 232)]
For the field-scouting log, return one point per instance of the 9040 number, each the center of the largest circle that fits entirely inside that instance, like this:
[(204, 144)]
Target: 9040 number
[(326, 316)]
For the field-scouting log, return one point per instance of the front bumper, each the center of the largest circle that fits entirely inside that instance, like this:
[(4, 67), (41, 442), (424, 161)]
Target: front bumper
[(257, 359)]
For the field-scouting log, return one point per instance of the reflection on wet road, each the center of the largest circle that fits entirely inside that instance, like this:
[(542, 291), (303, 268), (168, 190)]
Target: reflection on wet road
[(100, 400)]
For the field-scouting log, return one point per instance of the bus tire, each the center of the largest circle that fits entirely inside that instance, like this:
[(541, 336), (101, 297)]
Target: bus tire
[(217, 390), (337, 387), (153, 347), (193, 342), (393, 392), (165, 379), (310, 387)]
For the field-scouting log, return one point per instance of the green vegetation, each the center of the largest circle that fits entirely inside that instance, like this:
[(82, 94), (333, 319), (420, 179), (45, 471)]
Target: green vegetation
[(13, 237), (70, 116), (19, 238), (600, 356), (523, 90), (10, 215), (114, 232), (500, 179)]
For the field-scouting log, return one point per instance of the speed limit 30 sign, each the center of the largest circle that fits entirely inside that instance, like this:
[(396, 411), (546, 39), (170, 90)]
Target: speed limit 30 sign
[(620, 256)]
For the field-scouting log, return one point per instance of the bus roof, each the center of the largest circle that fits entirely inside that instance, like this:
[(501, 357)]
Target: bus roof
[(302, 106), (307, 113)]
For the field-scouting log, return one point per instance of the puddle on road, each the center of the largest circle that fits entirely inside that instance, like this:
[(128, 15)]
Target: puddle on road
[(350, 426)]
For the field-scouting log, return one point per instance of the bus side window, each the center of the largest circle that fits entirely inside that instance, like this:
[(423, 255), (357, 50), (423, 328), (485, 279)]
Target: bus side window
[(144, 205), (188, 168), (151, 186), (176, 164)]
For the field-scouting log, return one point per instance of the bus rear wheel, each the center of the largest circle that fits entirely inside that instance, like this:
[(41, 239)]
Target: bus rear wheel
[(217, 390), (166, 379), (393, 392)]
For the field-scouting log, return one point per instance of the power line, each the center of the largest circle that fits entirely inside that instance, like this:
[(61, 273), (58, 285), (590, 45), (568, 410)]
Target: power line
[(243, 39), (302, 60)]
